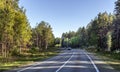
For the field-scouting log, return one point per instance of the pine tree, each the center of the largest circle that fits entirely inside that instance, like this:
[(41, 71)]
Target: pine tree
[(116, 24), (14, 26), (44, 36)]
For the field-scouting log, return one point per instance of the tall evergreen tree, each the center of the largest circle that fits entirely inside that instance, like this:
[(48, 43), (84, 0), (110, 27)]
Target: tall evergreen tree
[(14, 26), (116, 32), (44, 35)]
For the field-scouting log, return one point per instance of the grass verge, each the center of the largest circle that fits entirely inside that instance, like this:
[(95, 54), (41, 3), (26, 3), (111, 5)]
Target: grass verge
[(113, 59), (26, 59)]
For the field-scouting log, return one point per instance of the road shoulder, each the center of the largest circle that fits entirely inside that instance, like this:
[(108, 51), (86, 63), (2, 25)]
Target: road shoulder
[(105, 64)]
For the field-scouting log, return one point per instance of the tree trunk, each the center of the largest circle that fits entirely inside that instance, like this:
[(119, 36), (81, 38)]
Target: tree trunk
[(46, 45)]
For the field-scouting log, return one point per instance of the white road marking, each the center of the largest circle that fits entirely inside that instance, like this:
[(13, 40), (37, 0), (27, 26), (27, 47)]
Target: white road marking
[(97, 70), (64, 64), (27, 68), (24, 69), (31, 66)]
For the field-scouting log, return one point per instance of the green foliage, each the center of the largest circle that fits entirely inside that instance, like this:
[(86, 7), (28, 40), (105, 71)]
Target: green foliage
[(117, 8), (75, 39), (102, 32), (14, 26), (34, 50), (22, 30), (43, 36), (67, 39), (82, 37), (57, 40), (116, 28), (6, 21), (98, 31), (24, 60), (74, 42), (15, 51)]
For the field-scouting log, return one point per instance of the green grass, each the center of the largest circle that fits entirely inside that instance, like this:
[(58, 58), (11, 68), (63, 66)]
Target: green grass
[(10, 65), (25, 59), (113, 59)]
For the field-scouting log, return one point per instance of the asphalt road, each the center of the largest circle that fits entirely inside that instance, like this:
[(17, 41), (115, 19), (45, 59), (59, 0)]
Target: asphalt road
[(75, 60)]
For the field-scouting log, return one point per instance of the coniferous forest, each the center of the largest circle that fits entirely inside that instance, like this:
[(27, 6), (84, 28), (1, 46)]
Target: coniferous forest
[(20, 42)]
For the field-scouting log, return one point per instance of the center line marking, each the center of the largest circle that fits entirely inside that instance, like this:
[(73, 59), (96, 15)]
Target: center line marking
[(97, 70), (64, 64)]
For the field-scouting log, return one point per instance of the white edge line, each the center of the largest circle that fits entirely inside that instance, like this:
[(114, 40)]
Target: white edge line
[(38, 64), (64, 64), (97, 70), (27, 68), (22, 69)]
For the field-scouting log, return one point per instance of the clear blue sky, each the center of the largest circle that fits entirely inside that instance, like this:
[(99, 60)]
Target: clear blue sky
[(65, 15)]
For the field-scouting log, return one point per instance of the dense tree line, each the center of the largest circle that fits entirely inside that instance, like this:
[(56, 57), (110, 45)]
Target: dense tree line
[(67, 39), (100, 31), (74, 39), (42, 36), (103, 32), (15, 30), (16, 33)]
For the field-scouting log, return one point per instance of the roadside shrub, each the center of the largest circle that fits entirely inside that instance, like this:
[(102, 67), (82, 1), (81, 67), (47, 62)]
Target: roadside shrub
[(15, 51), (34, 50), (116, 55)]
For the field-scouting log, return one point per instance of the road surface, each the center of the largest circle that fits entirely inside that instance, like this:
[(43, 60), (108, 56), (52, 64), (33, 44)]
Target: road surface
[(75, 60)]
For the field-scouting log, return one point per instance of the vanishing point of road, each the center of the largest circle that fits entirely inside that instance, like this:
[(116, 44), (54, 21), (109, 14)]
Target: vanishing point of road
[(75, 60)]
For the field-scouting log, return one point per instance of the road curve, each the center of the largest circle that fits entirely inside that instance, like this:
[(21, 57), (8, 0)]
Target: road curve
[(75, 60)]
